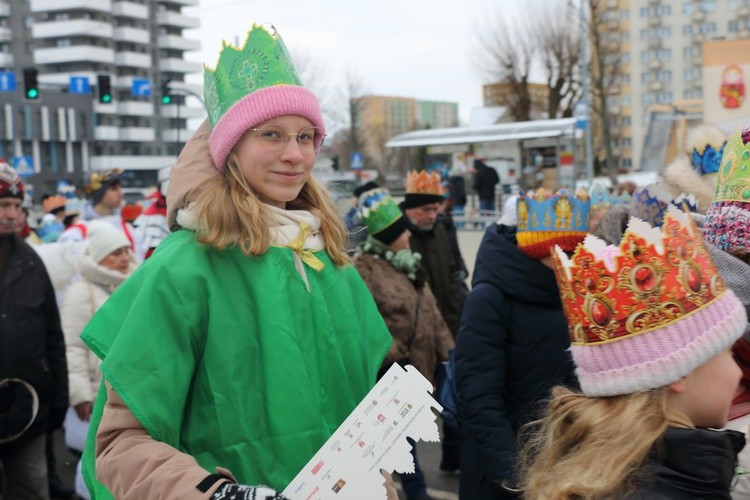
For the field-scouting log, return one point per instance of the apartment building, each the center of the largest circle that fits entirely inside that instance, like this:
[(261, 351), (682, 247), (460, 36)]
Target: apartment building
[(138, 44), (655, 58), (378, 118)]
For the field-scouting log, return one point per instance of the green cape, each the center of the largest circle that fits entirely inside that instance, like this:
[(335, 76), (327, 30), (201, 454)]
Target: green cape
[(230, 359)]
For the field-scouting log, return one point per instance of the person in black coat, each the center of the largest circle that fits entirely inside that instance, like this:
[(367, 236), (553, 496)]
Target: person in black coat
[(510, 350), (485, 180), (32, 354)]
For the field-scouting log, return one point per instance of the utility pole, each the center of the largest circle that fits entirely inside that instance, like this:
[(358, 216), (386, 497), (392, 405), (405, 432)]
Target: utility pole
[(585, 76)]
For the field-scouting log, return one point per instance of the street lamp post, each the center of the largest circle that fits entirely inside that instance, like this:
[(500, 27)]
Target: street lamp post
[(586, 93)]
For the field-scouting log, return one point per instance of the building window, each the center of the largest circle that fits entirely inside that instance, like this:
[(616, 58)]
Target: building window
[(625, 100), (687, 30), (664, 10), (707, 6), (733, 26), (28, 22), (625, 122), (627, 142), (645, 12), (707, 28), (687, 8), (647, 99)]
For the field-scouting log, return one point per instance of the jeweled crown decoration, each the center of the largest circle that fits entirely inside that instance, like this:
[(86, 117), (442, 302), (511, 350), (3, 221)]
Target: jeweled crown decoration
[(600, 197), (423, 183), (650, 203), (655, 277), (378, 210), (543, 210), (263, 61), (734, 174)]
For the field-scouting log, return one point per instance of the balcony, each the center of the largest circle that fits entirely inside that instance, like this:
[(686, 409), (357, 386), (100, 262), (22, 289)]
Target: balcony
[(613, 25), (135, 108), (175, 65), (79, 53), (743, 11), (654, 43), (654, 21), (6, 35), (4, 9), (133, 59), (170, 135), (185, 112), (129, 9), (6, 59), (655, 64), (178, 20), (74, 27), (137, 134), (699, 16), (655, 86), (55, 5), (132, 35), (184, 3), (177, 42), (106, 133), (698, 83), (698, 39)]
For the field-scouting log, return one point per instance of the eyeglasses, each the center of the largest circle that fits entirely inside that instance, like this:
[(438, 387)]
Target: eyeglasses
[(275, 137)]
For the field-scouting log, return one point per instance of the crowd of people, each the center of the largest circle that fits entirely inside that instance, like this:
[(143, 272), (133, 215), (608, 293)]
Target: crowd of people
[(210, 348)]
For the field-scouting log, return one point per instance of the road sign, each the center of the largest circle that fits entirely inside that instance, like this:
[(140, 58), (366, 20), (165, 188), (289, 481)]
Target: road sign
[(580, 112), (7, 81), (79, 85), (357, 161), (24, 165), (140, 87)]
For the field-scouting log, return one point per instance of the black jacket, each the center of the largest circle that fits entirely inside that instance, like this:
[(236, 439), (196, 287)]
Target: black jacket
[(458, 190), (442, 260), (485, 179), (691, 464), (511, 349), (32, 346)]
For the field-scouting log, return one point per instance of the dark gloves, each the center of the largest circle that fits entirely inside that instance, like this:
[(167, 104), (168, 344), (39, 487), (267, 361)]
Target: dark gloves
[(233, 491)]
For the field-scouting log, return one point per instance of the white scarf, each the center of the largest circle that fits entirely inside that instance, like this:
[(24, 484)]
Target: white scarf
[(296, 229)]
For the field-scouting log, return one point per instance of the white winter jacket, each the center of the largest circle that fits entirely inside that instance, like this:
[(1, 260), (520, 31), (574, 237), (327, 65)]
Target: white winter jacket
[(81, 301)]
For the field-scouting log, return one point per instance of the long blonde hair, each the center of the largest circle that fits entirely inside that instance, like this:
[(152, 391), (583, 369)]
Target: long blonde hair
[(590, 447), (229, 212)]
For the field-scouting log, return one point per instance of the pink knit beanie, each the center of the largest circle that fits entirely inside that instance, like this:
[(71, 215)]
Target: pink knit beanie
[(646, 313), (252, 84)]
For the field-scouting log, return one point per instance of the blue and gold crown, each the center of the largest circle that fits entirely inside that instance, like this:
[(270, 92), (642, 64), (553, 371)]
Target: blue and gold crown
[(650, 204), (705, 146), (546, 219), (600, 197)]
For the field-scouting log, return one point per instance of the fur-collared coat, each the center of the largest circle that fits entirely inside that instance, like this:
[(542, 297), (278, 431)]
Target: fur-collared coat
[(680, 178), (398, 301)]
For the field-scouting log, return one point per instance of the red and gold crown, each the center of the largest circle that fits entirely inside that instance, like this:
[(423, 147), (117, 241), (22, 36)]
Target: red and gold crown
[(423, 183), (654, 278)]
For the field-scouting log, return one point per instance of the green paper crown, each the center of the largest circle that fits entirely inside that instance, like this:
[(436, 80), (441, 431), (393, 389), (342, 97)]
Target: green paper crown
[(263, 61), (378, 210), (734, 173)]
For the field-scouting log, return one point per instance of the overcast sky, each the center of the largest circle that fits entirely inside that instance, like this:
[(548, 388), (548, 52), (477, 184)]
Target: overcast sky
[(409, 48)]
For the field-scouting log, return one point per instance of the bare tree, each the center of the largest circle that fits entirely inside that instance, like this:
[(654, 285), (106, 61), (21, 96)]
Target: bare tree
[(605, 71), (506, 53), (541, 44)]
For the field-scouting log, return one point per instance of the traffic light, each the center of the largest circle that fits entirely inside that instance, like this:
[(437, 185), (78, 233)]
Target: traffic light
[(105, 89), (30, 83), (166, 95)]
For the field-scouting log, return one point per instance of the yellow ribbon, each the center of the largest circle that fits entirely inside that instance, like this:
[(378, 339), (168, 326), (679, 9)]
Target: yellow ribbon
[(298, 245)]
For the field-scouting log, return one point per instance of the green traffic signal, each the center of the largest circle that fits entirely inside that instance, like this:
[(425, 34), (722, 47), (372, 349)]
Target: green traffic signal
[(106, 98), (32, 93), (167, 99)]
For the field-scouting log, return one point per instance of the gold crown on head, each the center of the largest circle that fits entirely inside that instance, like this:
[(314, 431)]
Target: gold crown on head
[(423, 183)]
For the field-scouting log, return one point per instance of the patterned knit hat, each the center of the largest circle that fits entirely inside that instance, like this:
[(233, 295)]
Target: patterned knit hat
[(98, 181), (11, 185), (546, 219), (422, 189), (253, 84), (381, 215), (728, 218), (646, 313)]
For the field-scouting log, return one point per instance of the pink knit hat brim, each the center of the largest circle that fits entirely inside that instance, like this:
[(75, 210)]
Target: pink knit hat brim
[(662, 356), (258, 107)]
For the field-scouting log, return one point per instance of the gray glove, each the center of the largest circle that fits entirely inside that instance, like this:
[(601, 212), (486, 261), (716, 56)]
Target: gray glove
[(234, 491)]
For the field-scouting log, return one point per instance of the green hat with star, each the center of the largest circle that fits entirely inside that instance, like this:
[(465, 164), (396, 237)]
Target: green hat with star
[(252, 84), (380, 214)]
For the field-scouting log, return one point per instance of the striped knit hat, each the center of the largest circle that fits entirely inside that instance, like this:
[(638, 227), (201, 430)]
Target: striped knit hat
[(646, 313), (546, 219)]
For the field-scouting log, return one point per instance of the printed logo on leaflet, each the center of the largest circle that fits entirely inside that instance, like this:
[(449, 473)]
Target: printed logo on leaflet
[(317, 467)]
